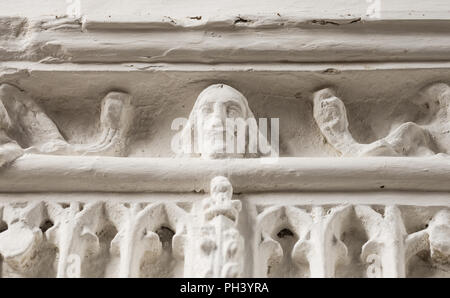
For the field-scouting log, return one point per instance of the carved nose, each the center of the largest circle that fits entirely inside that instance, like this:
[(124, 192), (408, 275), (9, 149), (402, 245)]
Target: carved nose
[(219, 111), (216, 122)]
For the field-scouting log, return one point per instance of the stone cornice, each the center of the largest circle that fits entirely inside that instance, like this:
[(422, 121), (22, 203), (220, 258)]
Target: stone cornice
[(40, 173), (270, 39)]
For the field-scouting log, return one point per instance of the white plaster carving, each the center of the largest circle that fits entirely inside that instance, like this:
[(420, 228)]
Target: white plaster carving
[(439, 237), (318, 234), (393, 246), (45, 239), (408, 139), (215, 247), (220, 116), (320, 242), (93, 182), (75, 234), (137, 240), (21, 242), (24, 122)]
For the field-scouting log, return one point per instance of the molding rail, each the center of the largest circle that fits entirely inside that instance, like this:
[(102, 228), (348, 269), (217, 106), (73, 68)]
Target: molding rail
[(38, 173)]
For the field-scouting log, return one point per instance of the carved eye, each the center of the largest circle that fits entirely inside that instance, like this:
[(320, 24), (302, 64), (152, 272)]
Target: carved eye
[(222, 188), (206, 110), (233, 112)]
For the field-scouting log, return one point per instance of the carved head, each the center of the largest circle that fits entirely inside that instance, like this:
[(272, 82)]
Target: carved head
[(116, 111), (220, 202), (329, 109), (436, 98), (221, 188), (219, 111)]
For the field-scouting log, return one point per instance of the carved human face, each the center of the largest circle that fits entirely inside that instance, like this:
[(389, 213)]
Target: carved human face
[(338, 113), (216, 106), (332, 111), (435, 100), (221, 189)]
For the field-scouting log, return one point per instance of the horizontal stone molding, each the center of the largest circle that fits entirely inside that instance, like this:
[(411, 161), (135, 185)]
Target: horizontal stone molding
[(235, 39), (41, 173)]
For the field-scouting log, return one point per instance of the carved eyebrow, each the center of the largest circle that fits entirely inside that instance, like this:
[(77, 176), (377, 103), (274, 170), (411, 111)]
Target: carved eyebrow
[(206, 105), (234, 105)]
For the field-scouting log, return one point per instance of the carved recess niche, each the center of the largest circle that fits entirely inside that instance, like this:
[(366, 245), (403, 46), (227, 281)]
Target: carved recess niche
[(348, 177)]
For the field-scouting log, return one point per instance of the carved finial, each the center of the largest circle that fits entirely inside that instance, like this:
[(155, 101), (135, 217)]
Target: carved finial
[(220, 202)]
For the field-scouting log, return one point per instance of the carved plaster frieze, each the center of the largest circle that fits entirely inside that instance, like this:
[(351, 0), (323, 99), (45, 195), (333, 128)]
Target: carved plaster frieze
[(224, 141), (202, 238)]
